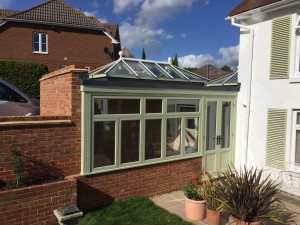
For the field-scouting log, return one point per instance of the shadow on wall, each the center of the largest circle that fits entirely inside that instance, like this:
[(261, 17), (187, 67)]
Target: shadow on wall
[(90, 198), (39, 171)]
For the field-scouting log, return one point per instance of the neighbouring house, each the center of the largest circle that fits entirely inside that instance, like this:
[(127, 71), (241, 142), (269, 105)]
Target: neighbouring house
[(268, 106), (210, 72), (57, 34)]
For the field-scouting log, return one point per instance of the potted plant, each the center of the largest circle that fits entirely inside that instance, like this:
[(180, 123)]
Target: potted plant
[(210, 195), (194, 203), (248, 197)]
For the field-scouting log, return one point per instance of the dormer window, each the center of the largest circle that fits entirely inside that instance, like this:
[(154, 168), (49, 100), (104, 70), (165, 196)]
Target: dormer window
[(40, 43)]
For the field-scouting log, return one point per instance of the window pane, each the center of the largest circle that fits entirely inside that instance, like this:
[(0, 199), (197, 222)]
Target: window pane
[(298, 118), (191, 135), (5, 92), (211, 125), (44, 48), (297, 150), (225, 136), (173, 136), (116, 106), (130, 141), (153, 106), (104, 143), (183, 105), (171, 71), (156, 70), (153, 139), (36, 47), (36, 37), (44, 38), (139, 69)]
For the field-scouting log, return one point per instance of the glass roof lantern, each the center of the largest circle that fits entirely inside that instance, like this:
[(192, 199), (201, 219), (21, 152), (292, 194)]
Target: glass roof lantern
[(145, 69)]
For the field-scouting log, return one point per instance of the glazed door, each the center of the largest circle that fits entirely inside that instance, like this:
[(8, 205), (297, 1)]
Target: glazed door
[(217, 150)]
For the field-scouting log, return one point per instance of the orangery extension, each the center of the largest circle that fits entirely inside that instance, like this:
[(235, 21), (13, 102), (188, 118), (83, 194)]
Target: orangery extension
[(132, 127)]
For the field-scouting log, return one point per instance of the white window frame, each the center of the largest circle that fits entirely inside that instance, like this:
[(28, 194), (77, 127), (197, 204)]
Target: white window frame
[(297, 58), (40, 43), (295, 128)]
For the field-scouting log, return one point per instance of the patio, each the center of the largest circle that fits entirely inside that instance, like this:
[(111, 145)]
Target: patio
[(174, 203)]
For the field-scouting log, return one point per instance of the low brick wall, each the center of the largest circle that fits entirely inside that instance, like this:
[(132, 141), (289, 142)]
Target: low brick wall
[(47, 144), (34, 205), (97, 190)]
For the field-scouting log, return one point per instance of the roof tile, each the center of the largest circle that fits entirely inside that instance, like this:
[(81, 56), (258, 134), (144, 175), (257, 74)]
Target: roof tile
[(247, 5), (55, 11)]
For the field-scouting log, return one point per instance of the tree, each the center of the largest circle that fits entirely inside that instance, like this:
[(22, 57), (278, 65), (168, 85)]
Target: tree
[(175, 61), (143, 54), (226, 68)]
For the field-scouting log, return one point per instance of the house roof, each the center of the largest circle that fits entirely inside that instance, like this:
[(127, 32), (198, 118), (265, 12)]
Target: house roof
[(227, 80), (126, 52), (58, 12), (112, 28), (247, 5), (210, 72), (5, 13)]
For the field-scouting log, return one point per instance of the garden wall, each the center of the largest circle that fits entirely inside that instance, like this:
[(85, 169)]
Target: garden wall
[(100, 189), (34, 205)]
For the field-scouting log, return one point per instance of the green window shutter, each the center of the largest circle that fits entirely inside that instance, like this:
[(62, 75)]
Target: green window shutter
[(276, 135), (280, 48)]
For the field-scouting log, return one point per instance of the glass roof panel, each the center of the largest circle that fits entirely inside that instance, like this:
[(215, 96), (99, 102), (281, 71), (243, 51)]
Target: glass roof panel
[(156, 70), (190, 75), (172, 71), (227, 79), (232, 79), (138, 69), (120, 68)]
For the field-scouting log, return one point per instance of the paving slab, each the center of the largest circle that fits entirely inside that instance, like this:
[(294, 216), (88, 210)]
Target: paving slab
[(174, 203)]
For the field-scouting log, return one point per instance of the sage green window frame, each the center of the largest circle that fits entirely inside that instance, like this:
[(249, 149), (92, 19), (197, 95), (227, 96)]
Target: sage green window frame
[(88, 131), (90, 92)]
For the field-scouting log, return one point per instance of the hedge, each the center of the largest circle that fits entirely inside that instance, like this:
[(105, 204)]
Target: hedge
[(24, 75)]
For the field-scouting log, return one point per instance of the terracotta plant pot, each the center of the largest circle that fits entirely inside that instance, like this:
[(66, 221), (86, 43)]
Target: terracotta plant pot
[(234, 221), (213, 217), (195, 210)]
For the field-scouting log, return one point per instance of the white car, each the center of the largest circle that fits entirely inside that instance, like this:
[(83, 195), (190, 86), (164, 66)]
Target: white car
[(14, 102)]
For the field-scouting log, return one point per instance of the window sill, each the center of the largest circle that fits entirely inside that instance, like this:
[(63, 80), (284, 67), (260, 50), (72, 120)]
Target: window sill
[(44, 53), (294, 80)]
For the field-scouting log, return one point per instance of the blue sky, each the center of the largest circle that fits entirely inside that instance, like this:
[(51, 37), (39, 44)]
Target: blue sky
[(195, 30)]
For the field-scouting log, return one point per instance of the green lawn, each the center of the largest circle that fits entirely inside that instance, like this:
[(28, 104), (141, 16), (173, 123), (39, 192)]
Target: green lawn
[(134, 211)]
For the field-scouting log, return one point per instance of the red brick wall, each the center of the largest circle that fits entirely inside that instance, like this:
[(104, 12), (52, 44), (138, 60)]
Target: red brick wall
[(44, 145), (34, 205), (100, 189), (81, 47), (60, 92)]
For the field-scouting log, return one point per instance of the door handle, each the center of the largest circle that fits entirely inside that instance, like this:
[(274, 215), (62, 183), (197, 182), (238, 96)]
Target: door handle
[(220, 138)]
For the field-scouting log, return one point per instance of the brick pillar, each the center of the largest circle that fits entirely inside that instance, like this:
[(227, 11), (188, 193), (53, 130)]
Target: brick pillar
[(60, 92)]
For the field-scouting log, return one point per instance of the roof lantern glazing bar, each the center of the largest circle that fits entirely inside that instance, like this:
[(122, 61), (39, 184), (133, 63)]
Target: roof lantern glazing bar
[(164, 70), (130, 68), (180, 72), (148, 69)]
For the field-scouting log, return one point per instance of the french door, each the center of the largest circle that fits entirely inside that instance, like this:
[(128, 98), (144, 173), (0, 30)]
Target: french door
[(218, 134)]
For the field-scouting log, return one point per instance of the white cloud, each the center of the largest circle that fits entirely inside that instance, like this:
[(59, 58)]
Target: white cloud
[(183, 35), (144, 30), (93, 13), (142, 37), (229, 56), (156, 11), (4, 4), (206, 2), (195, 61), (124, 5)]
